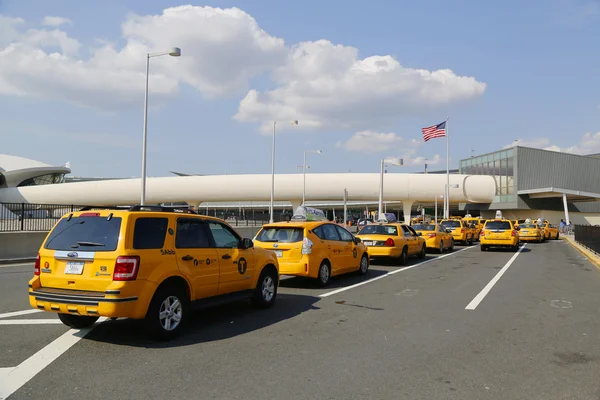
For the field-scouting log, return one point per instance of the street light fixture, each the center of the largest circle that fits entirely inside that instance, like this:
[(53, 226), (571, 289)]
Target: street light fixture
[(391, 161), (271, 203), (304, 172), (173, 52)]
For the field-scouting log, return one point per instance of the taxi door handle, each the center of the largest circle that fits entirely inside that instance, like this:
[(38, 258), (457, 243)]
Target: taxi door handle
[(187, 258), (226, 257)]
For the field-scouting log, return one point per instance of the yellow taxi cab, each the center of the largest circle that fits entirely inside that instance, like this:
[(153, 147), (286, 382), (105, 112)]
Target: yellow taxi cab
[(436, 236), (477, 223), (146, 262), (550, 231), (392, 240), (499, 232), (461, 231), (530, 231), (311, 246)]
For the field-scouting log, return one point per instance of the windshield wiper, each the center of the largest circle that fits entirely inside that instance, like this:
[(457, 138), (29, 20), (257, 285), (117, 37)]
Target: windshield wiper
[(270, 240), (82, 243)]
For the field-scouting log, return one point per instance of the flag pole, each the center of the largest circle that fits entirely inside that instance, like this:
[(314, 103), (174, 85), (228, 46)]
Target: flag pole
[(447, 171)]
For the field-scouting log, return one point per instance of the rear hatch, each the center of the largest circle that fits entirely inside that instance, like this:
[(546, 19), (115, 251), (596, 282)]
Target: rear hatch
[(378, 235), (80, 252), (284, 241), (498, 230)]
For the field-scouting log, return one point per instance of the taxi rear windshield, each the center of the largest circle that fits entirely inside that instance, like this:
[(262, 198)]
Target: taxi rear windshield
[(451, 224), (530, 226), (85, 233), (388, 230), (424, 227), (281, 235), (498, 225)]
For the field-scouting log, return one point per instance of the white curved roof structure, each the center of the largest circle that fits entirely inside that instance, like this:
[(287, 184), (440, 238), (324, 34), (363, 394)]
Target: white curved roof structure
[(16, 170), (288, 187)]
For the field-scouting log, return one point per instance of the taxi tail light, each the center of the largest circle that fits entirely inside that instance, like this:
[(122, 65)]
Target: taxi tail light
[(513, 233), (389, 242), (36, 268), (126, 268), (307, 245), (482, 233), (463, 230), (432, 235)]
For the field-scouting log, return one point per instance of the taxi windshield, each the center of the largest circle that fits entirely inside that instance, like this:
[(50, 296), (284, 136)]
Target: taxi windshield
[(424, 227), (379, 230), (281, 235), (498, 225), (451, 224)]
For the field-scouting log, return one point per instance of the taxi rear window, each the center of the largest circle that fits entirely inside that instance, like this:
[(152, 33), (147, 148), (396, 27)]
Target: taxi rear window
[(93, 233), (451, 224), (424, 227), (528, 226), (498, 225), (281, 235), (388, 230)]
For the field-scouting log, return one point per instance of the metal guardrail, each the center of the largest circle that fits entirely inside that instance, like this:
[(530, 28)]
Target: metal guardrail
[(588, 236), (15, 217)]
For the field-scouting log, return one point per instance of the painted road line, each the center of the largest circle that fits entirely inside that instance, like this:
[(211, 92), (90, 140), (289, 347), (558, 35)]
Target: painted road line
[(479, 298), (29, 264), (14, 378), (17, 313), (391, 273), (30, 321)]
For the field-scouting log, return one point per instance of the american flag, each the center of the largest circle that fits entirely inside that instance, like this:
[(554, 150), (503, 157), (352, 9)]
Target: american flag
[(435, 131)]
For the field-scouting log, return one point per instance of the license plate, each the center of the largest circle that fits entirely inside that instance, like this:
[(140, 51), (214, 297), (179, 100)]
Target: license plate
[(368, 243), (74, 268), (278, 253), (524, 231)]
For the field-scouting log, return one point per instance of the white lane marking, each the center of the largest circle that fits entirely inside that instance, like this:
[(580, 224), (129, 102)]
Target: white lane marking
[(479, 298), (30, 321), (391, 273), (14, 378), (16, 265), (17, 313)]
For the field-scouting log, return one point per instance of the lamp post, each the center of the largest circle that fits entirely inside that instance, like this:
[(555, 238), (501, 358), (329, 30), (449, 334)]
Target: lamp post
[(447, 205), (271, 216), (392, 161), (304, 172), (173, 52)]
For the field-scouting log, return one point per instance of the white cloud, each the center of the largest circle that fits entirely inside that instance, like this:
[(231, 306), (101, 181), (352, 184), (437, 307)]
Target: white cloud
[(9, 29), (55, 21), (327, 85), (371, 142), (221, 50), (588, 144)]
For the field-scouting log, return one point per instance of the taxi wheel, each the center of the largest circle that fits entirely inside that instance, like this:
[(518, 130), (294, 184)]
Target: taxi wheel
[(364, 264), (167, 312), (451, 244), (324, 273), (266, 288), (77, 321), (441, 246), (556, 238), (404, 256), (482, 247), (423, 252)]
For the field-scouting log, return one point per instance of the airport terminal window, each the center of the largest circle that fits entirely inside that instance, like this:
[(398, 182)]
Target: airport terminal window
[(47, 179), (500, 165)]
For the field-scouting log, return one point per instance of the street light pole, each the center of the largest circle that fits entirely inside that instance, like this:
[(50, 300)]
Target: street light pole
[(393, 161), (173, 52), (304, 174)]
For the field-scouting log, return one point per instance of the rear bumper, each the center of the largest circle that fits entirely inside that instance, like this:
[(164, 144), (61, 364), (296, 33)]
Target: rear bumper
[(297, 268), (499, 243), (384, 252), (459, 238), (529, 238)]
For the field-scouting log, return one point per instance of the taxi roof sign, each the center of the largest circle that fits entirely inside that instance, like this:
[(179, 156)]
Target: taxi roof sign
[(304, 213), (387, 217), (499, 214)]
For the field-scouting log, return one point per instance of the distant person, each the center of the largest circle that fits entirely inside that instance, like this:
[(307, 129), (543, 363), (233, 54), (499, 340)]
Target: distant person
[(562, 226)]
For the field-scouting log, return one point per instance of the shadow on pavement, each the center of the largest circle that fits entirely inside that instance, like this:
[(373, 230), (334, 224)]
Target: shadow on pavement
[(208, 324), (336, 282)]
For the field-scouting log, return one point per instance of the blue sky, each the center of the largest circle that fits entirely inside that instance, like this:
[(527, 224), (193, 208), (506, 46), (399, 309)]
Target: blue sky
[(526, 71)]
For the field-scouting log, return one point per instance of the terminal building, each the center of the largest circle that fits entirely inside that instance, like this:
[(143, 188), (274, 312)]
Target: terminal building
[(529, 183)]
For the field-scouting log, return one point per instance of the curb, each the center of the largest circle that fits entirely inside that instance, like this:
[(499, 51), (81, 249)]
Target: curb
[(583, 250)]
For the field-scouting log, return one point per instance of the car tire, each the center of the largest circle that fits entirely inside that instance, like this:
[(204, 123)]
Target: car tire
[(364, 264), (266, 288), (423, 252), (77, 321), (557, 235), (451, 244), (324, 274), (441, 249), (172, 303), (404, 256), (482, 247)]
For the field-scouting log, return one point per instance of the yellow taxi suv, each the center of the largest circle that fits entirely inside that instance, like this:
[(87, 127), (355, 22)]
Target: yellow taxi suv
[(460, 231), (530, 232), (476, 223), (499, 233), (147, 263), (393, 241), (315, 249), (436, 237)]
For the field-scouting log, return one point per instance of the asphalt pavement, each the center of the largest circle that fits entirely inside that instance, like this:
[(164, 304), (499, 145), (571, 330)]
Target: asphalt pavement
[(531, 332)]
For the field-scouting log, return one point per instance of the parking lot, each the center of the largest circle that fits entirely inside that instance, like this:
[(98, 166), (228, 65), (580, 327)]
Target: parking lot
[(463, 325)]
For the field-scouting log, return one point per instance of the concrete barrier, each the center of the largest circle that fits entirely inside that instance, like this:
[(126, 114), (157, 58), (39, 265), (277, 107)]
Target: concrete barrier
[(24, 246), (20, 246)]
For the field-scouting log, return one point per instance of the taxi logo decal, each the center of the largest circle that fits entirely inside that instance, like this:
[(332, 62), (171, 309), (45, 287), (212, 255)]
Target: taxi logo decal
[(276, 245), (242, 266)]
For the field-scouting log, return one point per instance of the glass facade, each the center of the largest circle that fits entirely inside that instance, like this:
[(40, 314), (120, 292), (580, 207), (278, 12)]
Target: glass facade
[(501, 166), (47, 179)]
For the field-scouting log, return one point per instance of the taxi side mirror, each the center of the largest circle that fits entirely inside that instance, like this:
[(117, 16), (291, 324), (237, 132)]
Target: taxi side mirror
[(448, 230), (420, 233), (357, 240), (246, 244)]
